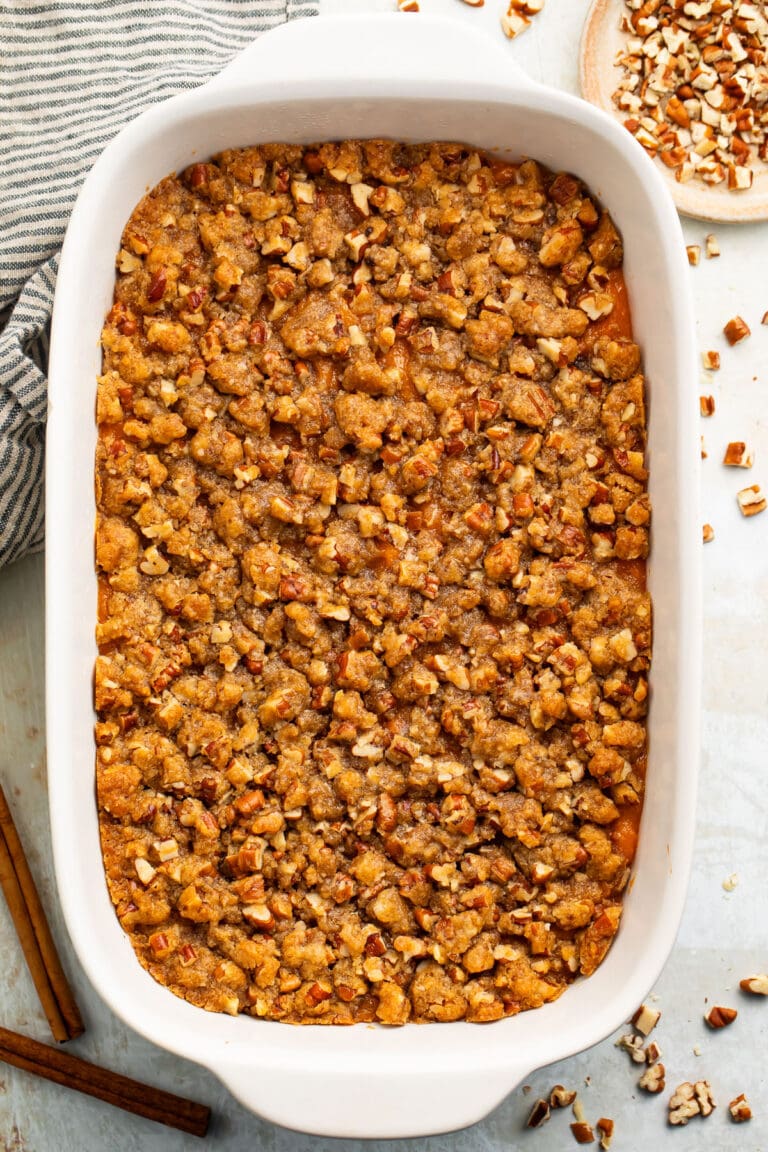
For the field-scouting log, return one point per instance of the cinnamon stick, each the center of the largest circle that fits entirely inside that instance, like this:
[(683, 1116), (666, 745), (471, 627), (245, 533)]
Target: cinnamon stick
[(31, 925), (139, 1099)]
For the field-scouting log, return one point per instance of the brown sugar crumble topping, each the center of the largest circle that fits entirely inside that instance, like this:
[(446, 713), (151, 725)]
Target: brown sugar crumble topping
[(373, 626)]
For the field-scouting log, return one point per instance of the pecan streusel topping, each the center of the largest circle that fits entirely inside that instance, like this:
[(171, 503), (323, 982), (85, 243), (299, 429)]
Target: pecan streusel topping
[(373, 627)]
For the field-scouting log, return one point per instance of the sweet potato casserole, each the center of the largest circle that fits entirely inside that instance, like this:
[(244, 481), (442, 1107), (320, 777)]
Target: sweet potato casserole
[(373, 626)]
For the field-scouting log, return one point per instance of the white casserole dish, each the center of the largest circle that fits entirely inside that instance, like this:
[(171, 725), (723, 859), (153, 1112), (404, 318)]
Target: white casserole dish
[(413, 79)]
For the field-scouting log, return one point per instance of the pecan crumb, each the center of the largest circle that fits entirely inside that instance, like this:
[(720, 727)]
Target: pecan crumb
[(757, 985), (694, 254), (646, 1019), (634, 1046), (518, 16), (751, 501), (605, 1127), (736, 330), (737, 455), (731, 882), (689, 1100), (719, 1017), (652, 1080), (739, 1109), (708, 533), (711, 246), (582, 1132), (561, 1097), (704, 1097), (539, 1114), (683, 1105), (707, 405), (711, 360)]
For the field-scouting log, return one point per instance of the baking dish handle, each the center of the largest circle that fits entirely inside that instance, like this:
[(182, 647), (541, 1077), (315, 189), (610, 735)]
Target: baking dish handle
[(383, 46), (367, 1104)]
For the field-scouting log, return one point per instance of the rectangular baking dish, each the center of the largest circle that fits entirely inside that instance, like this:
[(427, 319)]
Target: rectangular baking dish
[(411, 79)]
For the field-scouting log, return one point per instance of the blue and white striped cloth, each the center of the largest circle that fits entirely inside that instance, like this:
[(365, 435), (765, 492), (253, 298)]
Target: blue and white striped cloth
[(71, 75)]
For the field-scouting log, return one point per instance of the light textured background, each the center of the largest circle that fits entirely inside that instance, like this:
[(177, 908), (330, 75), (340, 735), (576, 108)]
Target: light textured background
[(723, 936)]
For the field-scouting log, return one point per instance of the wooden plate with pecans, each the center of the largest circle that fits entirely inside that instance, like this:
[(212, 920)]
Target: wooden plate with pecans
[(691, 84)]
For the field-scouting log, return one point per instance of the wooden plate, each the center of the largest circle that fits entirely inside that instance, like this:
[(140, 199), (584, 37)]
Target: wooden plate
[(601, 41)]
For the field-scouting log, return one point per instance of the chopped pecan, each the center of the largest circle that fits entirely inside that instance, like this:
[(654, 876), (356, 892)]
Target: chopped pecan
[(539, 1114), (756, 985), (737, 455), (736, 330), (605, 1127), (750, 500), (652, 1080), (719, 1017), (739, 1109), (646, 1019), (689, 1100)]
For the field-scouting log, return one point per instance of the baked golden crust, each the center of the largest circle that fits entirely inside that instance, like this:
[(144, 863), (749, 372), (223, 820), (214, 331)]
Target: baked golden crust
[(373, 629)]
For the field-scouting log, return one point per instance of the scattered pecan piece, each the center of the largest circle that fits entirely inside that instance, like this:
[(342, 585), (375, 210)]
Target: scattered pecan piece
[(720, 1017), (653, 1079), (737, 455), (736, 330), (633, 1045), (561, 1097), (605, 1127), (756, 985), (689, 1100), (708, 533), (751, 501), (683, 1105), (518, 16), (539, 1114), (645, 1019), (740, 1110), (704, 1097), (707, 405)]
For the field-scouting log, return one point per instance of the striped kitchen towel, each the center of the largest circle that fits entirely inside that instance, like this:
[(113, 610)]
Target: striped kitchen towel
[(71, 75)]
